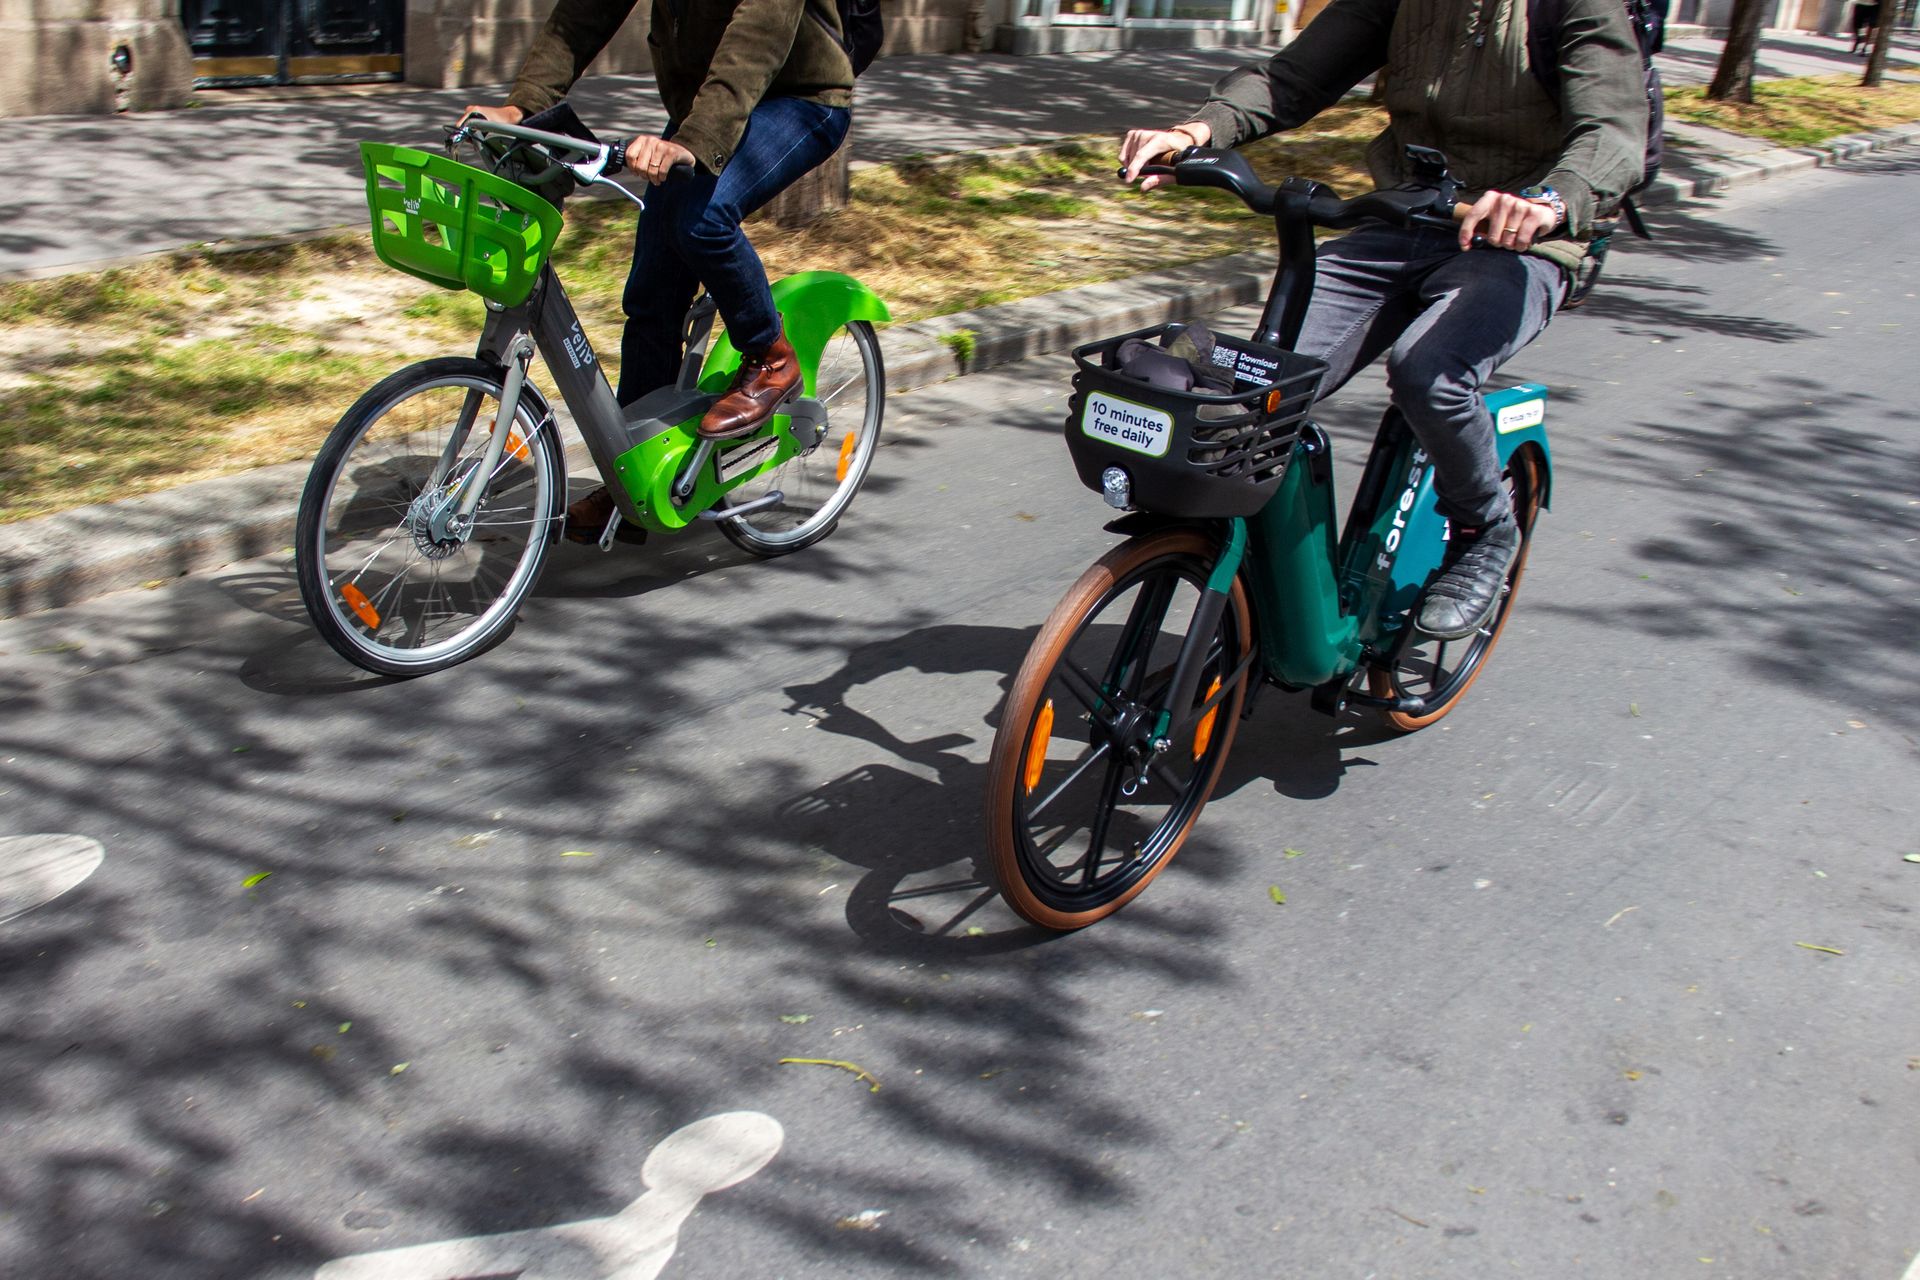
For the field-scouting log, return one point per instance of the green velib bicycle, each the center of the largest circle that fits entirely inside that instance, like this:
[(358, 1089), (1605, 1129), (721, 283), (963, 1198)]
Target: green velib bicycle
[(1118, 723), (432, 505)]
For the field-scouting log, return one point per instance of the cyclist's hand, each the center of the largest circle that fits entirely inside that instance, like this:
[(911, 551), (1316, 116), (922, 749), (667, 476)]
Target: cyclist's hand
[(1141, 147), (499, 115), (1504, 221), (651, 157)]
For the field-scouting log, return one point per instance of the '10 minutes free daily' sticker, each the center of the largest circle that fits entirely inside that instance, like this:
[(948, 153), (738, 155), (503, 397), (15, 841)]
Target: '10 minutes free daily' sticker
[(1131, 426)]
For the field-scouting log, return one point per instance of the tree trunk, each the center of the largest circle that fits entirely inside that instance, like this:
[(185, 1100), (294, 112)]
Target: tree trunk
[(1882, 42), (1733, 79), (821, 192)]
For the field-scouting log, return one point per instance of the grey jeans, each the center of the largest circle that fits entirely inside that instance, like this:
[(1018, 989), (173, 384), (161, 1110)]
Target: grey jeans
[(1446, 320)]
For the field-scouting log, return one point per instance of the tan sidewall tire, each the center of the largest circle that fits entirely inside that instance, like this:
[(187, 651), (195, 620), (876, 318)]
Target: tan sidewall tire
[(1004, 769), (1380, 681)]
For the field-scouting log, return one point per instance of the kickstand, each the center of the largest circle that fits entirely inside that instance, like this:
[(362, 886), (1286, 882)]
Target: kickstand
[(613, 527)]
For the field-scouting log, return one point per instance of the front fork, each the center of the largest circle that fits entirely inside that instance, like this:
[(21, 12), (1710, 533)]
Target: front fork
[(451, 519), (1187, 668)]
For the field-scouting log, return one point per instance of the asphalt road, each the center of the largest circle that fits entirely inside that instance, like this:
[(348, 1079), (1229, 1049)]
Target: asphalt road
[(1614, 973)]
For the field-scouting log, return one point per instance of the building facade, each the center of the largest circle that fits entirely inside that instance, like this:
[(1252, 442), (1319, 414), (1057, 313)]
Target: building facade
[(60, 57)]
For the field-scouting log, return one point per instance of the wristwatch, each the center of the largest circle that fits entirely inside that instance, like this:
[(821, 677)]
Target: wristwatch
[(1554, 202)]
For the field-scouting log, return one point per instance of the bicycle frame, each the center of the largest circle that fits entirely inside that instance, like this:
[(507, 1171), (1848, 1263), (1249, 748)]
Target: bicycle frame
[(642, 451), (1324, 606), (1325, 602)]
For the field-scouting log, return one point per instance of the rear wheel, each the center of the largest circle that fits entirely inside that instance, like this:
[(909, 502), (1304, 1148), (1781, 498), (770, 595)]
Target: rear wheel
[(819, 484), (1082, 812), (394, 579), (1439, 672)]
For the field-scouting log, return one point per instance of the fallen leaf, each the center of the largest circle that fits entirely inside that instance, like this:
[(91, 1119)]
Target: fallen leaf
[(65, 646), (866, 1219), (345, 1027), (398, 1067), (1633, 708), (975, 931), (577, 853), (796, 1018), (152, 583), (1812, 947), (1632, 1075), (858, 1071), (1294, 853), (712, 943), (1912, 857), (240, 751), (1273, 891), (1856, 724), (1821, 874), (254, 879)]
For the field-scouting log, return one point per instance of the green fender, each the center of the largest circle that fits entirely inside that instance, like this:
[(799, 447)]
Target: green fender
[(813, 306)]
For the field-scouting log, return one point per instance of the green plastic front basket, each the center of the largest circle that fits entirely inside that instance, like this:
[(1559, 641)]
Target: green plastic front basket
[(455, 225)]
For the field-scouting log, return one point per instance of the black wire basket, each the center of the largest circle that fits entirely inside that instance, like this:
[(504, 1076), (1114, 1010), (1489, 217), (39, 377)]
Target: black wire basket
[(1190, 453)]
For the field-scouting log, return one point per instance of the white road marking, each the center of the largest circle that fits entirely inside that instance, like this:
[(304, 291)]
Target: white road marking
[(34, 870), (1913, 1272), (708, 1155)]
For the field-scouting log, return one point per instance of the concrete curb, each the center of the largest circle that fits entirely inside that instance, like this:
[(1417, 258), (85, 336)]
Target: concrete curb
[(73, 556)]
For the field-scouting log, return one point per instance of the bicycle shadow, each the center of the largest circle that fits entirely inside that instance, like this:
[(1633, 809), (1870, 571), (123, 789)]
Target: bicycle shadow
[(913, 821)]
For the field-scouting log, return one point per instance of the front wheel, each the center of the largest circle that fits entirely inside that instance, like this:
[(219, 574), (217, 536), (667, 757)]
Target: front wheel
[(819, 484), (1439, 672), (395, 578), (1082, 811)]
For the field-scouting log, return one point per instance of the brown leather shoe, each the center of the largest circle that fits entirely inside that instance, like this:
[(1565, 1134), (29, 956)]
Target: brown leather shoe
[(587, 520), (760, 387)]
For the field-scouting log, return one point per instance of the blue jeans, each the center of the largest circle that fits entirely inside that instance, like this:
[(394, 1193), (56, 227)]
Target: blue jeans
[(690, 235), (1446, 320)]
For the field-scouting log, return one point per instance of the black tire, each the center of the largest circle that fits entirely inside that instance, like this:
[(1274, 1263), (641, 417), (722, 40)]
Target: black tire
[(820, 484), (1054, 776), (384, 590), (1441, 671)]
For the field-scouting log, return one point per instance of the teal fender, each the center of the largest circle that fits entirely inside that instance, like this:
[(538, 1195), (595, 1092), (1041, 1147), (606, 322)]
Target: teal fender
[(813, 305), (1520, 418), (1408, 540)]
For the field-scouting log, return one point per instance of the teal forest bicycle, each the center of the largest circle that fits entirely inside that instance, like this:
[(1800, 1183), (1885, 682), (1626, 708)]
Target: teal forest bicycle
[(432, 505), (1118, 723)]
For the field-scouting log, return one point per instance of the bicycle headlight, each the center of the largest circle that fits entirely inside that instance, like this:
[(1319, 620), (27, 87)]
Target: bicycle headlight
[(1117, 488)]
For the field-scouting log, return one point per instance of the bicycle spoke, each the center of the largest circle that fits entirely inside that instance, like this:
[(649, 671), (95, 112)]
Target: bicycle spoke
[(1095, 754), (1102, 819)]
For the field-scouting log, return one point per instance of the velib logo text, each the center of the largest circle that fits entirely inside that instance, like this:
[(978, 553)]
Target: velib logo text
[(1131, 426), (577, 349)]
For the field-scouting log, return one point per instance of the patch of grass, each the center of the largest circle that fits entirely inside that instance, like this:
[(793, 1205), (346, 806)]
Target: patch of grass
[(119, 423), (199, 364), (1801, 112)]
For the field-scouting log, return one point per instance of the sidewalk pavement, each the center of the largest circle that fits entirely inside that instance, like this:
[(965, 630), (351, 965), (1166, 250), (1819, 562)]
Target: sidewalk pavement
[(249, 167), (966, 104)]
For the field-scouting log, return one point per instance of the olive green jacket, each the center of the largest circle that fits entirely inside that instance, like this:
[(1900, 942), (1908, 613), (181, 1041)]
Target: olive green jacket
[(714, 61), (1458, 80)]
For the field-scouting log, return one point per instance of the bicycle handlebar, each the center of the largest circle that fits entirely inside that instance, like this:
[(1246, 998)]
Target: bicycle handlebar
[(597, 163), (1431, 203)]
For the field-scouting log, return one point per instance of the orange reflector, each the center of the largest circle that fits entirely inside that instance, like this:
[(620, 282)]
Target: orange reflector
[(362, 607), (517, 448), (1037, 745), (1203, 732), (846, 456), (1274, 397)]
